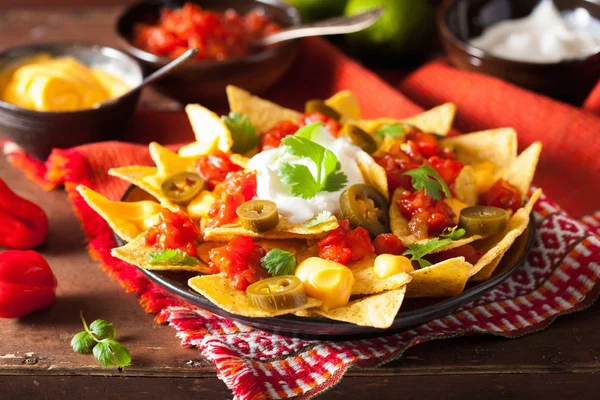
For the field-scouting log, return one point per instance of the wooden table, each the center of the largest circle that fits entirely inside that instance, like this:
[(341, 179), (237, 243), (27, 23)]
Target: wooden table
[(36, 361)]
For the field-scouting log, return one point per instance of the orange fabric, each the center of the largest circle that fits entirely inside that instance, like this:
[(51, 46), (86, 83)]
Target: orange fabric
[(569, 169)]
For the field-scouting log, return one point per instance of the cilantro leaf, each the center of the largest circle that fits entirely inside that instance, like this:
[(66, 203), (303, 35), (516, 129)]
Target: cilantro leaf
[(121, 354), (279, 262), (299, 178), (309, 131), (390, 130), (242, 131), (453, 233), (83, 342), (171, 257), (103, 329), (417, 251), (103, 355), (426, 178), (319, 219)]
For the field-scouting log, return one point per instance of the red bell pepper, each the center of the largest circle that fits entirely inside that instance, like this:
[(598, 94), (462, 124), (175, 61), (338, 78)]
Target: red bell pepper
[(23, 224), (27, 283)]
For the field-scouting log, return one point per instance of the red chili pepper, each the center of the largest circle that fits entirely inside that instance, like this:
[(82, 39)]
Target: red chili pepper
[(23, 224), (27, 283)]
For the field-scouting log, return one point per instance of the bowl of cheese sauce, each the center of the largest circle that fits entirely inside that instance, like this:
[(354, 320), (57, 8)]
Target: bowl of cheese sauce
[(548, 46), (52, 95)]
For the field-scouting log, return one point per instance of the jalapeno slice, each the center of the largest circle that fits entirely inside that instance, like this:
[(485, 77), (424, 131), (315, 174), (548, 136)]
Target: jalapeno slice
[(363, 205), (183, 187), (277, 293), (359, 137), (483, 220), (319, 106), (258, 215)]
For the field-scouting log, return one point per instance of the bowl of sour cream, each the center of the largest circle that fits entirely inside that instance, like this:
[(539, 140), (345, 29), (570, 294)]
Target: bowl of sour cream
[(549, 46)]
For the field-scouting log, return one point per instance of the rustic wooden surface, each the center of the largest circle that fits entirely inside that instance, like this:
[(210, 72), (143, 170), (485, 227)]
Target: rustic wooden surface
[(36, 361)]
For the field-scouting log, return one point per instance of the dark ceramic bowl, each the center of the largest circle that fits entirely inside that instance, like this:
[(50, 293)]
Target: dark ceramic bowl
[(462, 20), (205, 81), (38, 132)]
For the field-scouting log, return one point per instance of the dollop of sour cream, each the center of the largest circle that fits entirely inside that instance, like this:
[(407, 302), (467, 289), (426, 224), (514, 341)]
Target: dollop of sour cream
[(542, 37), (296, 209)]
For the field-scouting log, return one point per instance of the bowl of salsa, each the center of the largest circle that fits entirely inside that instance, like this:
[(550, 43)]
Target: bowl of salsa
[(156, 31)]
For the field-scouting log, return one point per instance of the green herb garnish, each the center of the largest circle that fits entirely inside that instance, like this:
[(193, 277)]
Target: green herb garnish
[(453, 233), (417, 251), (171, 257), (390, 130), (279, 262), (242, 132), (426, 178), (318, 219)]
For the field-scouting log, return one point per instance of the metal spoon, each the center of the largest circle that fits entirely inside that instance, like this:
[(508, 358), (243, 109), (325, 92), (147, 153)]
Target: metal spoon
[(331, 26), (159, 73)]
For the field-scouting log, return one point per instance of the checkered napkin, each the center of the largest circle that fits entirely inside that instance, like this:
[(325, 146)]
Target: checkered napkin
[(560, 275)]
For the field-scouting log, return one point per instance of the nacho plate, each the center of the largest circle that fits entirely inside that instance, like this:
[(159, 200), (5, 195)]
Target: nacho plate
[(414, 311)]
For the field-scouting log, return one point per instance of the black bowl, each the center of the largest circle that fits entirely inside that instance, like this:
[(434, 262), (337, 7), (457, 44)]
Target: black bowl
[(205, 81), (459, 21), (38, 132)]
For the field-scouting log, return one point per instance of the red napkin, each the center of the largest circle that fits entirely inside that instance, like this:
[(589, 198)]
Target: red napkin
[(560, 275)]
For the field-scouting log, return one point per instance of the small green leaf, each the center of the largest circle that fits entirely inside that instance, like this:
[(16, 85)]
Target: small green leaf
[(453, 233), (319, 219), (242, 132), (426, 178), (103, 354), (171, 257), (390, 130), (83, 342), (103, 329), (417, 251), (121, 353), (279, 262)]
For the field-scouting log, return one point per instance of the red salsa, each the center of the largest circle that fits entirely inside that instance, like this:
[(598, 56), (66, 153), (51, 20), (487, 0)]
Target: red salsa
[(343, 245), (235, 190), (272, 138), (218, 36), (174, 231), (213, 168), (240, 261), (503, 195)]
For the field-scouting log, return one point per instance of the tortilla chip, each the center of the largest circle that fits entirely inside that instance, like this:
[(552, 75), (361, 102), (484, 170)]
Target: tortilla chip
[(211, 132), (520, 172), (399, 227), (136, 253), (437, 120), (283, 230), (445, 279), (500, 243), (366, 282), (219, 291), (127, 220), (486, 272), (465, 188), (204, 249), (346, 104), (498, 146), (263, 113), (294, 246), (239, 160), (135, 174), (311, 251), (373, 173)]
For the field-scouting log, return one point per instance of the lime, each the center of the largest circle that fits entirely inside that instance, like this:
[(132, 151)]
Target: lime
[(312, 10), (403, 28)]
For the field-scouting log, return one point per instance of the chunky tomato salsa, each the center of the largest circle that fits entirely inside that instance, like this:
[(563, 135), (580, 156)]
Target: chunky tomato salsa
[(218, 36)]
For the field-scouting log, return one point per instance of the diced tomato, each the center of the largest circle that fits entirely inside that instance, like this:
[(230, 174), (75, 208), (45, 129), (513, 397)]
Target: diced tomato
[(467, 251), (329, 123), (447, 168), (427, 217), (343, 245), (388, 243), (395, 167), (214, 168), (174, 231), (235, 190), (426, 143), (503, 195), (272, 138), (240, 261)]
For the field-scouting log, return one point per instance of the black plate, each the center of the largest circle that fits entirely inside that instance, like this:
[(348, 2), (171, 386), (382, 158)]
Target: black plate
[(414, 312)]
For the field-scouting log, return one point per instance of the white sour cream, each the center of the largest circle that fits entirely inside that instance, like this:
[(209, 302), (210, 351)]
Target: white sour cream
[(543, 37), (296, 209)]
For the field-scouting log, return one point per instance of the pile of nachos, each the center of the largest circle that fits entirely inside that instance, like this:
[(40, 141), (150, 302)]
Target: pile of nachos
[(323, 213)]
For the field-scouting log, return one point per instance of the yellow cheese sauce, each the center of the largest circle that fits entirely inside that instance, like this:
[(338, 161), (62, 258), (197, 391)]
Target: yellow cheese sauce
[(43, 83)]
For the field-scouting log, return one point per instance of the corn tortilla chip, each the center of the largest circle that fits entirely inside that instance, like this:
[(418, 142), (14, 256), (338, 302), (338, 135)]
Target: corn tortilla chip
[(487, 271), (204, 249), (500, 243), (366, 282), (136, 253), (294, 246), (465, 188), (346, 104), (520, 172), (437, 120), (239, 160), (373, 173), (445, 279), (219, 291), (210, 131), (128, 220), (283, 230), (498, 146), (377, 311), (263, 113)]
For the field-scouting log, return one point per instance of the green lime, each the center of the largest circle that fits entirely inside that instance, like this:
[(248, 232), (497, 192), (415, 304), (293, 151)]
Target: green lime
[(403, 28), (313, 10)]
